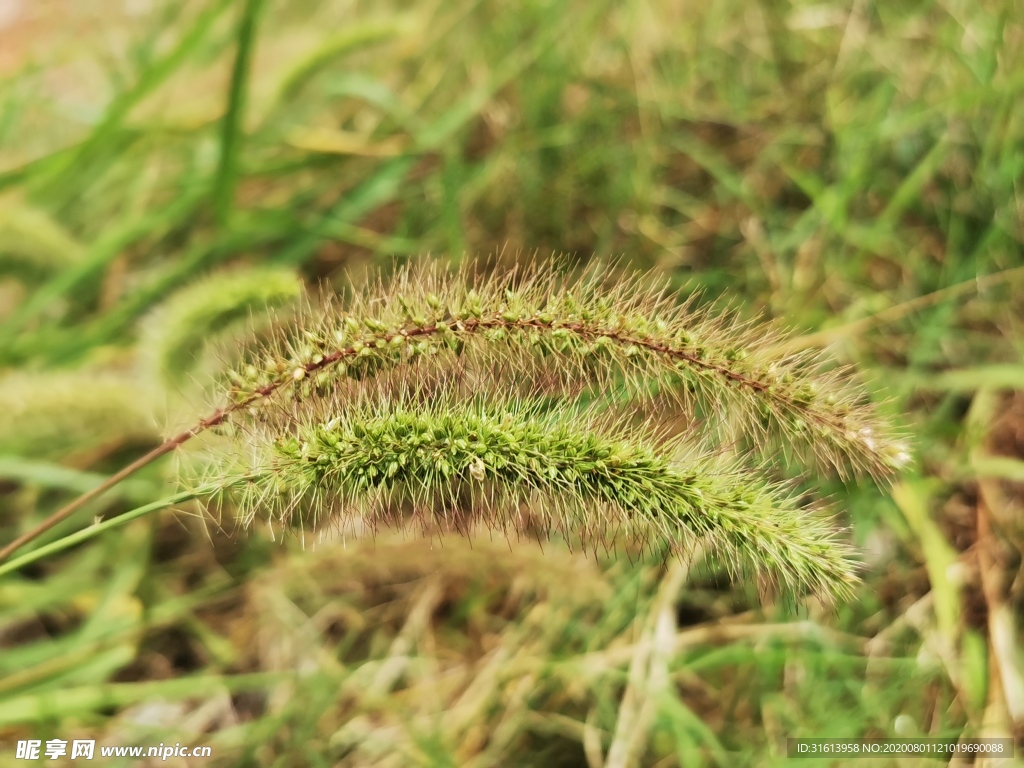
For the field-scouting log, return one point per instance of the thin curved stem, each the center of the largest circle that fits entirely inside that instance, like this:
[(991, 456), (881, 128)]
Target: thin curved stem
[(95, 530), (66, 511)]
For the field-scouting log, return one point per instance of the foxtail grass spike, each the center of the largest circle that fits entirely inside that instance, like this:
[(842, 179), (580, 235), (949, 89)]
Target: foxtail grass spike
[(53, 415), (451, 454), (610, 328), (181, 328)]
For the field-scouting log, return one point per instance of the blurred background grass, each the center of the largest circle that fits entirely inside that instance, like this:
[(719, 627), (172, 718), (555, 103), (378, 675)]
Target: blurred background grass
[(853, 168)]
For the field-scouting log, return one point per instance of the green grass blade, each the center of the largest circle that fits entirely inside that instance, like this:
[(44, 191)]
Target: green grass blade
[(107, 248), (32, 708), (232, 126), (151, 79), (334, 48), (49, 475)]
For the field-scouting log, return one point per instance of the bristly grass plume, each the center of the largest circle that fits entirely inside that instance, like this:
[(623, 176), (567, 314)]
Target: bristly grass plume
[(178, 331), (455, 396), (451, 449), (48, 415), (531, 400)]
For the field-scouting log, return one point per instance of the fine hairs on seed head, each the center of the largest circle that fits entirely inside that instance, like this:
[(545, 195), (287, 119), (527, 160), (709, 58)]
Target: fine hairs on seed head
[(594, 404)]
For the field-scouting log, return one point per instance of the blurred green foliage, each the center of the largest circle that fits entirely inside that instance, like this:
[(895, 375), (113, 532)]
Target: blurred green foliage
[(852, 167)]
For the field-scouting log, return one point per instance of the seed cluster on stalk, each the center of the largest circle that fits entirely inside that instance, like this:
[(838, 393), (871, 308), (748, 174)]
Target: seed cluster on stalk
[(522, 399)]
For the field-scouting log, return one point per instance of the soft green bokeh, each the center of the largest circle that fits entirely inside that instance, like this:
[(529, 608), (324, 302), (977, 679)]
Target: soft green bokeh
[(851, 168)]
